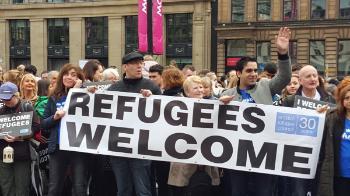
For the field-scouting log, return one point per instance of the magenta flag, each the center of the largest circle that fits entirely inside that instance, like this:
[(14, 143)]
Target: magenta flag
[(157, 26), (142, 26)]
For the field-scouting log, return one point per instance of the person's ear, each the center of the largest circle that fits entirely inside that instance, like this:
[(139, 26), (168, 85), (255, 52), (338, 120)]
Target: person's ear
[(238, 73)]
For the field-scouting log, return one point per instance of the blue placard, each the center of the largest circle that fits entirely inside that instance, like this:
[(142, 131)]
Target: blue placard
[(296, 124)]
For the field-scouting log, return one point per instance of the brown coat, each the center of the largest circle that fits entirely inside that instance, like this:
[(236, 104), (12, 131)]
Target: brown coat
[(180, 174)]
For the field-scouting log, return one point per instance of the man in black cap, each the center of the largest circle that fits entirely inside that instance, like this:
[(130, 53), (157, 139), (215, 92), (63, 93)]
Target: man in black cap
[(133, 173)]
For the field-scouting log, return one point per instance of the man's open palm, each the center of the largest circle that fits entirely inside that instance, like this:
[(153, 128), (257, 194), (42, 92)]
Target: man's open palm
[(282, 40)]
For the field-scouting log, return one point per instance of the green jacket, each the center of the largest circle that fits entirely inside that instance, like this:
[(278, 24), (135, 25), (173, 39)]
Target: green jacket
[(40, 105)]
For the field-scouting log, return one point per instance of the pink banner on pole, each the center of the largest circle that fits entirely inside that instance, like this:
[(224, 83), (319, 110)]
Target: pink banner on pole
[(157, 26), (142, 26)]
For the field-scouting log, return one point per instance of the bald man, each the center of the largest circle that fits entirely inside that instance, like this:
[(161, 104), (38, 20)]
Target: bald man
[(309, 87)]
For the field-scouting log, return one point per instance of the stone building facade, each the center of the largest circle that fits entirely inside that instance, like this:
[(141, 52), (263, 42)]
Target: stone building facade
[(48, 33), (320, 32)]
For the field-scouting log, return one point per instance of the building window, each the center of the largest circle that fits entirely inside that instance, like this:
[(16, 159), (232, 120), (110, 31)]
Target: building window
[(290, 10), (235, 50), (19, 43), (20, 32), (264, 10), (58, 31), (179, 28), (318, 9), (344, 58), (96, 30), (317, 55), (344, 8), (293, 55), (131, 36), (263, 51), (17, 1), (179, 38), (238, 10), (58, 43), (56, 1)]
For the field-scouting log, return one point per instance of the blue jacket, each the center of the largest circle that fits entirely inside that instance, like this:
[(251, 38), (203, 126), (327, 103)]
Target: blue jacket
[(50, 125)]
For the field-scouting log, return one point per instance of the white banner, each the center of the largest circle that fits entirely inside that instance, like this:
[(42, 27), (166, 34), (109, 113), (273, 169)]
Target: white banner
[(241, 136)]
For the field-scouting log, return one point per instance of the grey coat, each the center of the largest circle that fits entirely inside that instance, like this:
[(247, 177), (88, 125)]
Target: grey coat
[(265, 89)]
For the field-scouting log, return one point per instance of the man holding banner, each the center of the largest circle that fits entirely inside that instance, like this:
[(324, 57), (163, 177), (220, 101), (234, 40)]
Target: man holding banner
[(309, 88), (262, 92), (129, 172)]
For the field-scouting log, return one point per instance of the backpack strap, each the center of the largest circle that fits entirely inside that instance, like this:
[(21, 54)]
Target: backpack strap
[(23, 106)]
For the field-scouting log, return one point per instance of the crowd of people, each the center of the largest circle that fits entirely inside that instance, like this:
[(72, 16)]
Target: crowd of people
[(81, 174)]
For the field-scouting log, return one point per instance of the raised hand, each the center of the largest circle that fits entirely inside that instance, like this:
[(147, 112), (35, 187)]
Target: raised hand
[(282, 40)]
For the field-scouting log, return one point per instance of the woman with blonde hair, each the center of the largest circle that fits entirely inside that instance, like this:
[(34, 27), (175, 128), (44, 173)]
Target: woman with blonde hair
[(13, 76), (181, 173), (29, 88)]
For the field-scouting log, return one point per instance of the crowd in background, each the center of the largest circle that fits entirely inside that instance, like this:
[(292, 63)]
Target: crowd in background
[(78, 174)]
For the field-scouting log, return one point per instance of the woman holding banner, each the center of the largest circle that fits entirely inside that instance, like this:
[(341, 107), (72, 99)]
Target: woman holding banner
[(172, 79), (70, 76), (335, 172), (181, 173)]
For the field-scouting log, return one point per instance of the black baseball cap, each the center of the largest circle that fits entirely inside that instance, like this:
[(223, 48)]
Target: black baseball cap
[(132, 56)]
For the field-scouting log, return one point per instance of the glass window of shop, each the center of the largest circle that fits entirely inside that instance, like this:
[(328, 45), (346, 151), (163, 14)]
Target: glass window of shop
[(317, 58), (344, 9), (235, 50), (131, 37), (179, 39), (238, 10), (58, 43), (19, 43), (263, 10), (343, 57), (290, 8), (96, 34), (318, 9), (263, 54)]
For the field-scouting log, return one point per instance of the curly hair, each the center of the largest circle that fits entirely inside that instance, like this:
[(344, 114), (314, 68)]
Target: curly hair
[(172, 77)]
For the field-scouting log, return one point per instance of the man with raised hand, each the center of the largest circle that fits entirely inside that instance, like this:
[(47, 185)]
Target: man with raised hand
[(262, 92)]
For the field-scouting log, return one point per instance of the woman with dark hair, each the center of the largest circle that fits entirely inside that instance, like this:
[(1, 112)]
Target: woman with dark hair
[(335, 171), (93, 71), (69, 77)]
